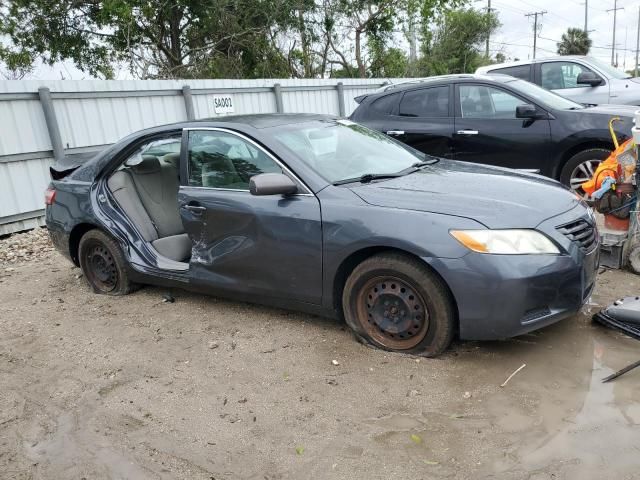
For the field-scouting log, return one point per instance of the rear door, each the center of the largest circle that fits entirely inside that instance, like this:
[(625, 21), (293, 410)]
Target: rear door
[(257, 245), (561, 77), (424, 120), (487, 130)]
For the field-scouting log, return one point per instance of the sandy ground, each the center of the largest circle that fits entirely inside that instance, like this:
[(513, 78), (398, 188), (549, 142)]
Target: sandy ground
[(95, 387)]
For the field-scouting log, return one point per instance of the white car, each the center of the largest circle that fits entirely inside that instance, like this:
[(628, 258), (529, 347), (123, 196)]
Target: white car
[(581, 79)]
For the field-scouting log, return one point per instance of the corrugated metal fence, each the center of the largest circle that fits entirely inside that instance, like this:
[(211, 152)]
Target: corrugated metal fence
[(44, 120)]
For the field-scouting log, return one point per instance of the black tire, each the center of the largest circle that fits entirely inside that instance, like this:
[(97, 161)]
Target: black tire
[(592, 155), (384, 298), (103, 264)]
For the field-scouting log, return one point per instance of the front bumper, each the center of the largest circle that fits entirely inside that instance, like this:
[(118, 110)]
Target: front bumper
[(500, 296)]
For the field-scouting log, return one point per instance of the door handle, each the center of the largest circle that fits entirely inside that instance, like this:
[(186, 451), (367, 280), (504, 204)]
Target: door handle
[(395, 132), (467, 132), (197, 209)]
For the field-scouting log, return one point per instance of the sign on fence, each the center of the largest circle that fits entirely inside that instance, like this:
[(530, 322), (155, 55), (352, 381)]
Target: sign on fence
[(223, 104)]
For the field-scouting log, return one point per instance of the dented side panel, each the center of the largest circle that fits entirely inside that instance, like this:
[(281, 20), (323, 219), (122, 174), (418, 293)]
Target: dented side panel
[(259, 245)]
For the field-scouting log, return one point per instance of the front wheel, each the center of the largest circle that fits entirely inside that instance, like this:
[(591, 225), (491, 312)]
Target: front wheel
[(396, 303), (103, 264), (581, 167)]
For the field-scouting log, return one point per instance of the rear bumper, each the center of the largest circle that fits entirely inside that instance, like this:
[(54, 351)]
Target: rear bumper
[(500, 296)]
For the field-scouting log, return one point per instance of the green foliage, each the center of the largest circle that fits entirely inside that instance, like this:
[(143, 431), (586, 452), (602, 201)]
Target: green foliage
[(456, 43), (238, 38), (574, 41)]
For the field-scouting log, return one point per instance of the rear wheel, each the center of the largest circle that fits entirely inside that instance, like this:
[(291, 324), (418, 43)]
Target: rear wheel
[(581, 168), (396, 303), (103, 264)]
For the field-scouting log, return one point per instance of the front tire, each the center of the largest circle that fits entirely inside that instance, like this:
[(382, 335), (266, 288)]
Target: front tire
[(396, 303), (581, 168), (103, 264)]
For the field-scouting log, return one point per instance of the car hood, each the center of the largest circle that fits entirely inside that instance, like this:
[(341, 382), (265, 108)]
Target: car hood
[(611, 110), (496, 197)]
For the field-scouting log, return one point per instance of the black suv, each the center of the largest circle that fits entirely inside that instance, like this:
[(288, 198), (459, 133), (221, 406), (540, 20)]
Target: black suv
[(497, 120)]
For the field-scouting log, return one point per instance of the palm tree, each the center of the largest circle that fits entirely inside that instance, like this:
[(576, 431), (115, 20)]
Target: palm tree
[(574, 42)]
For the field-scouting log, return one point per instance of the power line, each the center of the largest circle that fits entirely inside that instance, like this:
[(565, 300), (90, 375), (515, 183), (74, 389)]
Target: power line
[(535, 27)]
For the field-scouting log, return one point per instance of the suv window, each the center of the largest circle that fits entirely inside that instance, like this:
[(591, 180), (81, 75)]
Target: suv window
[(223, 160), (480, 101), (558, 75), (386, 104), (425, 102), (518, 71)]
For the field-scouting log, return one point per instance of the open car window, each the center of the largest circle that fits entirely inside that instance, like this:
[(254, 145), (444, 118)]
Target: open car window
[(219, 159)]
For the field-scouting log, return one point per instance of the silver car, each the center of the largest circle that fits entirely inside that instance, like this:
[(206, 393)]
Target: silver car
[(581, 79)]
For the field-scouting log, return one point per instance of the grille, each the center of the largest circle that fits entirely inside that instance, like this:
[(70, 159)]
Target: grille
[(581, 232)]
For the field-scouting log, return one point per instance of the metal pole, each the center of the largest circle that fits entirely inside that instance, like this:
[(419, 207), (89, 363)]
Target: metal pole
[(486, 49), (586, 9), (635, 70), (188, 102), (535, 28), (613, 44), (277, 91), (340, 92), (52, 123)]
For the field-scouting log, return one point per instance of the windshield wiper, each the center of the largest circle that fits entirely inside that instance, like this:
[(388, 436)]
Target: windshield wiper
[(368, 178)]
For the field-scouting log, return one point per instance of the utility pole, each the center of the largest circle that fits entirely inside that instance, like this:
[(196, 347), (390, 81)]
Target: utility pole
[(613, 44), (635, 70), (586, 12), (535, 28), (486, 50)]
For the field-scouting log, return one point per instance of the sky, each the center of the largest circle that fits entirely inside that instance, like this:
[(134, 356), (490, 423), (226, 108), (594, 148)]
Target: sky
[(515, 36)]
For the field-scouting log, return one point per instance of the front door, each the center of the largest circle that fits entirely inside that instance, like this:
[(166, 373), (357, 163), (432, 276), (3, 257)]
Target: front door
[(258, 245), (562, 78), (487, 130)]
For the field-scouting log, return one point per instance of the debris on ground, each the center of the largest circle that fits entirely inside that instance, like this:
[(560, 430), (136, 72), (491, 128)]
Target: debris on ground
[(25, 246), (168, 298), (513, 374), (622, 371), (335, 362), (467, 395)]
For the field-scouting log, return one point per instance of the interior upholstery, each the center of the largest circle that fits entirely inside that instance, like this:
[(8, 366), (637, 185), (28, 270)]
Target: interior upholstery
[(148, 194)]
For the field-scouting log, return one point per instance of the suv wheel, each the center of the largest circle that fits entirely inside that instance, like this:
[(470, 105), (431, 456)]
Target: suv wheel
[(581, 168)]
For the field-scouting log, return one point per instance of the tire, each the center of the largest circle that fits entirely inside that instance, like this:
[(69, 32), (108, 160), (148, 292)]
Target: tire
[(396, 303), (589, 159), (103, 264)]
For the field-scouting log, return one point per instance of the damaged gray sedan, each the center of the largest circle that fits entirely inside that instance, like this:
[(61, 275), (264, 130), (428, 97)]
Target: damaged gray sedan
[(322, 215)]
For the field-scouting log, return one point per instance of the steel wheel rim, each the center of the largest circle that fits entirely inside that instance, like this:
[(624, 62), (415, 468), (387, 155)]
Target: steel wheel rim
[(582, 173), (392, 312), (101, 267)]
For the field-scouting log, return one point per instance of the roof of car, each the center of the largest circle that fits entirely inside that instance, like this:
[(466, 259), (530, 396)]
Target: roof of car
[(267, 120), (462, 77), (488, 68)]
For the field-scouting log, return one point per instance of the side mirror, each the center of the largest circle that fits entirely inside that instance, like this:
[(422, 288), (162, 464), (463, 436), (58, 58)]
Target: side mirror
[(527, 111), (589, 78), (272, 184)]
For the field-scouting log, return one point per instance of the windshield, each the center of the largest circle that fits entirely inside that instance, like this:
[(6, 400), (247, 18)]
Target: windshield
[(341, 149), (545, 97), (611, 71)]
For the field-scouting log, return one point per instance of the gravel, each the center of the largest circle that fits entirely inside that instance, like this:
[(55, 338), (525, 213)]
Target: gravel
[(26, 246)]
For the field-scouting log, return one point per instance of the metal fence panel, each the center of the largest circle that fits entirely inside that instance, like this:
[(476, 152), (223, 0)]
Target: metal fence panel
[(93, 113)]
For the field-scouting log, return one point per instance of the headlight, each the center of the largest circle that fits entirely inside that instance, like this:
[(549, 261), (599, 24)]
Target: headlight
[(505, 242)]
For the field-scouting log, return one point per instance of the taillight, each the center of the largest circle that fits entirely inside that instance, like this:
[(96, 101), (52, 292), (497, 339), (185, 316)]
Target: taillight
[(49, 196)]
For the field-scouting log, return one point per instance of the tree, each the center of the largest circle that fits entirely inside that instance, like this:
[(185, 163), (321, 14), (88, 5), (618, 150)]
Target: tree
[(456, 44), (158, 39), (574, 41)]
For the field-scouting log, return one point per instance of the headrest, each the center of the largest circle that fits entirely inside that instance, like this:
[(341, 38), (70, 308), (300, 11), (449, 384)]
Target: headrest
[(149, 164), (172, 159)]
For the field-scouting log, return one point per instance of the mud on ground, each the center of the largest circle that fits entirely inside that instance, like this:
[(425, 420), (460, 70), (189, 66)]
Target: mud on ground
[(97, 387)]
